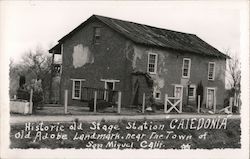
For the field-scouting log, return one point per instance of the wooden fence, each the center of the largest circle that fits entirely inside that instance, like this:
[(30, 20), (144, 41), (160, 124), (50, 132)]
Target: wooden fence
[(88, 93), (114, 97), (96, 95), (175, 103)]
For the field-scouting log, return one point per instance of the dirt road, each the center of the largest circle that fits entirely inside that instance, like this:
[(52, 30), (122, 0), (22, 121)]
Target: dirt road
[(88, 118)]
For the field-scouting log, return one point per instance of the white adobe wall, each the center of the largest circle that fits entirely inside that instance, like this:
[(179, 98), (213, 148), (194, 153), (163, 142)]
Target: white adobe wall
[(21, 107)]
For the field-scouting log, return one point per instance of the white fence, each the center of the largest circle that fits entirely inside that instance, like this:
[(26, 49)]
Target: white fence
[(175, 103)]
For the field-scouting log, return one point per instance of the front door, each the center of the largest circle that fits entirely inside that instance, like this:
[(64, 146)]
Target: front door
[(109, 86), (210, 98), (178, 90)]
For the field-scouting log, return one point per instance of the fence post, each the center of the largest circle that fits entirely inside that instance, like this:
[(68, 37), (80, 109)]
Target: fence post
[(143, 103), (199, 103), (231, 105), (181, 104), (31, 103), (95, 101), (165, 103), (119, 102), (66, 101)]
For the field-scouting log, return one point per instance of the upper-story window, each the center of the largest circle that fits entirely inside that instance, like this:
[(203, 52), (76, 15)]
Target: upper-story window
[(97, 35), (211, 70), (186, 67), (152, 63)]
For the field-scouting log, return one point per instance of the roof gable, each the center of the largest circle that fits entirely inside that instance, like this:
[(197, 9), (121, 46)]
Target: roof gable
[(156, 37)]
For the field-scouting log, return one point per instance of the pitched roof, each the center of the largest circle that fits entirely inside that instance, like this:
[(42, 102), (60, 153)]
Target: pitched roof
[(156, 37)]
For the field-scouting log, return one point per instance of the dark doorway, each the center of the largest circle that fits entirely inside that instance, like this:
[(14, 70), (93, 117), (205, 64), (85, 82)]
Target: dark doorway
[(22, 81), (110, 86)]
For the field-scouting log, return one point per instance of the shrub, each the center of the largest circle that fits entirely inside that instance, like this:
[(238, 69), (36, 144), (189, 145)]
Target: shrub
[(100, 105), (24, 93), (199, 91)]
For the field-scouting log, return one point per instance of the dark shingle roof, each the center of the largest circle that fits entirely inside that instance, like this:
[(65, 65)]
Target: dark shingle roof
[(157, 37)]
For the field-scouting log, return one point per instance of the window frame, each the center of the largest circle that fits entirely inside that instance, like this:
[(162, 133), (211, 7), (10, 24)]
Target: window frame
[(189, 67), (194, 92), (96, 40), (155, 64), (213, 76), (73, 88), (159, 94)]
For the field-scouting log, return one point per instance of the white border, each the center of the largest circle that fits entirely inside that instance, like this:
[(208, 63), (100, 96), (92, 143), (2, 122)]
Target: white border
[(242, 153)]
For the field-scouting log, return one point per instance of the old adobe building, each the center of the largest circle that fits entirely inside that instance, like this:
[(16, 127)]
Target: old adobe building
[(133, 58)]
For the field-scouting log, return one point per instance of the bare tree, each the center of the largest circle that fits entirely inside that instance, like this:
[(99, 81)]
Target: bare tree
[(233, 72), (34, 65), (37, 62)]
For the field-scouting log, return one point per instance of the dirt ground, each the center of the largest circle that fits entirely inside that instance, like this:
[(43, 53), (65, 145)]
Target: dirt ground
[(109, 117)]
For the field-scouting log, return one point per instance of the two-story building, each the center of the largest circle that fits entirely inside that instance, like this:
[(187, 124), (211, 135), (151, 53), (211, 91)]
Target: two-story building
[(134, 58)]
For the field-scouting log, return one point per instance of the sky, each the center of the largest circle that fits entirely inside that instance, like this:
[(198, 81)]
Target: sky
[(26, 25)]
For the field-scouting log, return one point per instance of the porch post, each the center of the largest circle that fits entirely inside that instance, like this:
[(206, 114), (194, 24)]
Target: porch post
[(166, 103), (51, 75)]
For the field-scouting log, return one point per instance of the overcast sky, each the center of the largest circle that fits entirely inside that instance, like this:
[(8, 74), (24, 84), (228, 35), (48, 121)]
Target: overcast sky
[(25, 25)]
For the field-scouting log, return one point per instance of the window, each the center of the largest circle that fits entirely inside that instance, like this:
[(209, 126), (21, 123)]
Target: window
[(157, 95), (186, 68), (97, 35), (76, 88), (152, 63), (192, 91), (211, 70)]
